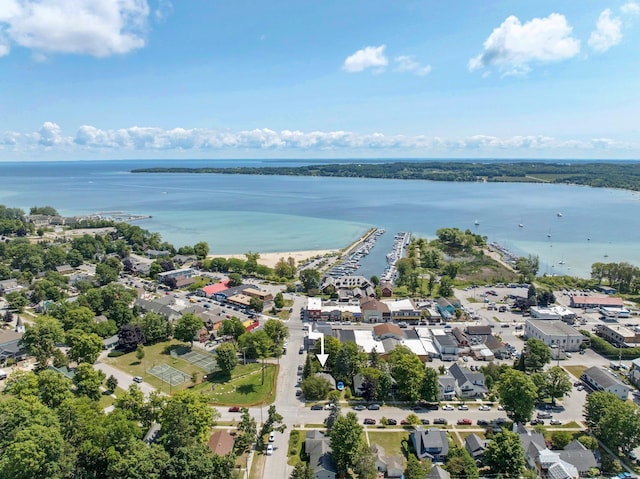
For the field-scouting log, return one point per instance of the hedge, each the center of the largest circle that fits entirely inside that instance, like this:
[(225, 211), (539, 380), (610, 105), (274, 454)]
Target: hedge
[(115, 354), (609, 351)]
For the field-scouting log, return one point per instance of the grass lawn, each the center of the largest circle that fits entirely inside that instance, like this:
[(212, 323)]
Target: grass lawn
[(294, 449), (391, 441), (576, 370), (245, 387), (571, 425), (107, 400), (154, 355)]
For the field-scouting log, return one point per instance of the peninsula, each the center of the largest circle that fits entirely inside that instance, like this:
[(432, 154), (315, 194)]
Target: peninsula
[(623, 175)]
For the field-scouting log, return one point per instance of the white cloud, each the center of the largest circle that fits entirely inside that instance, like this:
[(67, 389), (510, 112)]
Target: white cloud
[(136, 140), (407, 63), (513, 46), (608, 32), (163, 11), (98, 28), (630, 8), (367, 57)]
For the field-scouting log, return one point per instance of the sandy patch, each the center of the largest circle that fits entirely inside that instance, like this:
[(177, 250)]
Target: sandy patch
[(271, 259)]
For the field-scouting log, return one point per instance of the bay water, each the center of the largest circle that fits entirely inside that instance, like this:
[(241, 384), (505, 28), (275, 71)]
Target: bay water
[(568, 227)]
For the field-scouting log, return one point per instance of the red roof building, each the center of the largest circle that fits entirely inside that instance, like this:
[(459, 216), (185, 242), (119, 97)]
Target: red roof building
[(212, 289), (595, 301)]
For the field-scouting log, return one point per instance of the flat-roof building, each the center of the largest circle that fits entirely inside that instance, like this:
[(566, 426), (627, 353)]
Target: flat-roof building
[(602, 380), (554, 334)]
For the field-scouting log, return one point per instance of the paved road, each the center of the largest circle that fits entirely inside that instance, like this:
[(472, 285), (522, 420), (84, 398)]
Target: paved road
[(124, 380)]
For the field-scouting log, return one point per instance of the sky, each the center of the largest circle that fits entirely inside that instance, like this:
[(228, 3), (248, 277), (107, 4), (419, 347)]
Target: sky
[(138, 79)]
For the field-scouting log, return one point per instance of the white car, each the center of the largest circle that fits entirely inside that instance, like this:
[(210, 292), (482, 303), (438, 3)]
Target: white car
[(447, 407), (272, 436), (555, 422), (269, 449), (484, 408), (463, 407)]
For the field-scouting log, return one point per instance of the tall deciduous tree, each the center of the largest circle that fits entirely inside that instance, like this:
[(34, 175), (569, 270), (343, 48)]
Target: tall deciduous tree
[(187, 328), (41, 338), (504, 455), (227, 358), (416, 469), (430, 389), (310, 279), (518, 395), (88, 381), (247, 433), (459, 463), (83, 347), (345, 440), (232, 327), (277, 332), (408, 371), (349, 361), (557, 383), (536, 354)]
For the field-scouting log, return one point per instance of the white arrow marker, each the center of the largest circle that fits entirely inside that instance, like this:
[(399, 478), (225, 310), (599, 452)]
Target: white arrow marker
[(322, 357)]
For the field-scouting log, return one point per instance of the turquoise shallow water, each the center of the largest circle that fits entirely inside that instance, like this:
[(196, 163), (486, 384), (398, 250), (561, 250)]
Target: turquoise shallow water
[(237, 213)]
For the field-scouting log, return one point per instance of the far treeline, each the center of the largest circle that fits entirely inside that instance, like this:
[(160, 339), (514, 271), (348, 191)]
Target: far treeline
[(596, 174)]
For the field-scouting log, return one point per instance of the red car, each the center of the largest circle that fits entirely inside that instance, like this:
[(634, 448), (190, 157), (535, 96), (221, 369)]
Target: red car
[(234, 409), (465, 422)]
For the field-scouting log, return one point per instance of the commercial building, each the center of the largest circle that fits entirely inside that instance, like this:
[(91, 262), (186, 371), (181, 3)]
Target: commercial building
[(591, 302), (602, 380), (552, 312), (554, 334), (619, 335)]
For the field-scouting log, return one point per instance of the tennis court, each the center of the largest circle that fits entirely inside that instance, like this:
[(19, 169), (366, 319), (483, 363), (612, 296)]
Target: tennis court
[(206, 361), (168, 374)]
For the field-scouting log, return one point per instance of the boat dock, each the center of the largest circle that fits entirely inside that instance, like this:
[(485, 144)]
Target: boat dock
[(351, 263), (400, 243)]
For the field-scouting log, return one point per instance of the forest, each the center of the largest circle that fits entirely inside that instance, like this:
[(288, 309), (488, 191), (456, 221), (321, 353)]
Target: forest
[(596, 174)]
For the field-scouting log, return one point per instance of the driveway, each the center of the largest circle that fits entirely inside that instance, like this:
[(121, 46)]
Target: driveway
[(124, 380)]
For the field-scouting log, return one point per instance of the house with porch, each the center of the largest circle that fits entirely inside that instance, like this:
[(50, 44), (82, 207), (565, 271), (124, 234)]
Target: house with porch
[(468, 384), (430, 444), (317, 447)]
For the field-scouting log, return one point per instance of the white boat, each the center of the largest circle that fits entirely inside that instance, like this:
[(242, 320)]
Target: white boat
[(559, 215), (476, 222), (561, 262), (520, 225)]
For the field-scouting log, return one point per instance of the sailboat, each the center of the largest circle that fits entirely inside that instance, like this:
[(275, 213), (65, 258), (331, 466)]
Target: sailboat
[(559, 215), (476, 222)]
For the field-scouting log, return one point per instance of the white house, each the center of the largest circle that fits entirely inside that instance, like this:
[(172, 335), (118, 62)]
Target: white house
[(602, 380)]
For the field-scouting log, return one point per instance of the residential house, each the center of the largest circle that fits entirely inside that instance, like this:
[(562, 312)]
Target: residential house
[(438, 472), (602, 380), (158, 306), (221, 443), (583, 459), (10, 347), (153, 253), (110, 342), (475, 445), (65, 269), (447, 387), (330, 379), (544, 461), (468, 384), (317, 447), (430, 444), (181, 259), (9, 286), (390, 466), (634, 372)]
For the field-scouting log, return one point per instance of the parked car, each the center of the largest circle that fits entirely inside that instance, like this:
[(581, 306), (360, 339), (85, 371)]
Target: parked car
[(465, 422), (359, 407), (463, 407), (272, 436), (329, 405), (424, 421), (392, 422), (137, 379), (447, 407), (555, 422), (234, 409), (373, 407), (482, 422), (535, 422), (404, 422), (269, 449), (544, 415), (298, 392), (369, 421), (316, 407), (484, 407), (440, 420)]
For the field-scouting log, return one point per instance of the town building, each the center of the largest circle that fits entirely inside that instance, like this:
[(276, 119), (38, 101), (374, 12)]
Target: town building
[(467, 384), (403, 310), (554, 334), (594, 302), (552, 312), (430, 444), (619, 335), (314, 309), (601, 380), (318, 449), (374, 311)]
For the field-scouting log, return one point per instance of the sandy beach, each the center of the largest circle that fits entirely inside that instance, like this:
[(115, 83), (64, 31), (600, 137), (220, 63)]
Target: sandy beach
[(271, 259)]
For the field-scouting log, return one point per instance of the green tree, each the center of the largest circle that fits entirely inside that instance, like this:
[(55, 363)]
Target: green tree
[(504, 455), (557, 383), (446, 287), (459, 463), (140, 353), (349, 360), (619, 428), (536, 354), (310, 279), (595, 407), (155, 328), (111, 383), (430, 388), (16, 300), (88, 381), (41, 337), (187, 328), (528, 267), (518, 395), (345, 440), (201, 249), (22, 384), (331, 347), (416, 469), (364, 463), (274, 422), (589, 442), (131, 403), (232, 327), (278, 300), (36, 451), (408, 371), (83, 347), (301, 471), (277, 332), (186, 421), (559, 439), (53, 388), (256, 304), (140, 462), (315, 388), (190, 462), (235, 280), (247, 433), (227, 358)]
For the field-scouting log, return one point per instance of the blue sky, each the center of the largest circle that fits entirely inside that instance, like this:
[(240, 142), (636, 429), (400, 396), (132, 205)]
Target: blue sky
[(81, 79)]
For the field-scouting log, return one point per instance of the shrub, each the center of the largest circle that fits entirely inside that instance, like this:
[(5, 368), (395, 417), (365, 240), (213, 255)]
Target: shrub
[(115, 354)]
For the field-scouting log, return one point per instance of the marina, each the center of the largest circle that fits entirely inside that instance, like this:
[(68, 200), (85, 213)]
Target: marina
[(400, 243), (352, 263)]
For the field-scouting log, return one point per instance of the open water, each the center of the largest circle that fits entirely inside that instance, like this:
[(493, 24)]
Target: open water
[(239, 213)]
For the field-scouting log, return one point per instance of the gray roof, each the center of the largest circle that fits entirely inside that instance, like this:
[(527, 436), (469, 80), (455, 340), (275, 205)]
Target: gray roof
[(581, 460), (474, 443), (463, 374), (446, 340), (602, 377), (479, 330), (317, 447), (438, 473), (430, 440), (532, 438)]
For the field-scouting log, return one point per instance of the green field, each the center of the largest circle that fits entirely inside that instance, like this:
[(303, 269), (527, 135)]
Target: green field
[(153, 355), (576, 370), (391, 441), (245, 387)]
